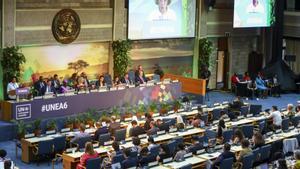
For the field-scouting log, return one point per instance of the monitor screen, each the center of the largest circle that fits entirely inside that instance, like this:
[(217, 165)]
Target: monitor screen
[(158, 19), (253, 13)]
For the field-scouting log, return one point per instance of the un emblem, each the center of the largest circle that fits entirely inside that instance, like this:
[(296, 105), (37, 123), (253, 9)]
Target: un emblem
[(66, 26)]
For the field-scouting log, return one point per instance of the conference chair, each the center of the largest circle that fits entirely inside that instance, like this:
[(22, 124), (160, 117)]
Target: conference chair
[(104, 138), (131, 76), (285, 124), (262, 126), (204, 118), (295, 120), (178, 140), (227, 135), (94, 163), (130, 163), (156, 78), (80, 143), (216, 114), (133, 154), (43, 150), (244, 110), (155, 150), (108, 80), (172, 145), (117, 159), (248, 131), (247, 161), (59, 145), (18, 143), (255, 109), (210, 134), (265, 152), (120, 134), (188, 166), (226, 164), (256, 157)]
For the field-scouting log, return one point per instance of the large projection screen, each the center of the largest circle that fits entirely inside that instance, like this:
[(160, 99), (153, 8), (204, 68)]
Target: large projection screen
[(253, 13), (159, 19)]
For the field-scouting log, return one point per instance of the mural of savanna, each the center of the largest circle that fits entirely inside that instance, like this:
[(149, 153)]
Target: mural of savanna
[(174, 55), (64, 60)]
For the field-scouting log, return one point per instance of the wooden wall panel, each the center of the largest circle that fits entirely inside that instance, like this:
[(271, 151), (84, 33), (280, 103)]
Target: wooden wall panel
[(292, 24)]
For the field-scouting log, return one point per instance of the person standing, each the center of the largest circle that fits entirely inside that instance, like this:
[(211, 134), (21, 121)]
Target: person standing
[(11, 88), (205, 74)]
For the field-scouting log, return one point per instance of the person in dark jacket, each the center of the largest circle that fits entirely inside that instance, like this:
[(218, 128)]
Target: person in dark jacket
[(136, 130), (226, 154)]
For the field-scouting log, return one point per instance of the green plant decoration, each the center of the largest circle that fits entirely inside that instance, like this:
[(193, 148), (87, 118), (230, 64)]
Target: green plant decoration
[(140, 110), (21, 128), (152, 108), (104, 117), (11, 62), (205, 51), (36, 124), (69, 122), (121, 56), (116, 112), (177, 105), (164, 108), (51, 125)]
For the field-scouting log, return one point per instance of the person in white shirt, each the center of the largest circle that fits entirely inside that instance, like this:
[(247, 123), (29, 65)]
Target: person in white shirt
[(163, 13), (276, 117), (12, 86), (255, 7)]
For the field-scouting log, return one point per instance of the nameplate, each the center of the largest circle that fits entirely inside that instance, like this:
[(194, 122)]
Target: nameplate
[(121, 88), (60, 95), (87, 126), (48, 96), (291, 128), (65, 130), (113, 89), (22, 91), (249, 115), (152, 164), (203, 106), (150, 84), (161, 132), (71, 150), (188, 155), (50, 132), (107, 143), (30, 135), (278, 131), (215, 122), (180, 110), (226, 119), (217, 104), (240, 117), (171, 112), (269, 133), (218, 147), (189, 127), (131, 86), (95, 145), (225, 103), (128, 119), (94, 91), (142, 136), (155, 115), (81, 92), (143, 85), (200, 151), (69, 94), (116, 166), (158, 83), (175, 81), (167, 160), (38, 97), (118, 120), (172, 130)]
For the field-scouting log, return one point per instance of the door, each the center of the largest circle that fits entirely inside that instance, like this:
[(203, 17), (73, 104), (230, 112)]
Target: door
[(220, 69), (222, 64)]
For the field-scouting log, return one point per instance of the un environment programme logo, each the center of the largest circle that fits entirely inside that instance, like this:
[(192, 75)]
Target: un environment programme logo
[(54, 107), (66, 26)]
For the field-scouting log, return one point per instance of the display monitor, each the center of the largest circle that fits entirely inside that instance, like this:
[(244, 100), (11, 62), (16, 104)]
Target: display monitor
[(159, 19)]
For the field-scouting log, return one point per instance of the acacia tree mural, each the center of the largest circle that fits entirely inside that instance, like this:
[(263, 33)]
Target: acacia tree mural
[(78, 66)]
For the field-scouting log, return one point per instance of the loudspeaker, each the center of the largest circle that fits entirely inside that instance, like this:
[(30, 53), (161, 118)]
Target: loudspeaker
[(290, 58), (297, 5)]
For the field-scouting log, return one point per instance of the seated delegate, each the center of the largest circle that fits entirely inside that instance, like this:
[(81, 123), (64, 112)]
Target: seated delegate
[(89, 153), (11, 88)]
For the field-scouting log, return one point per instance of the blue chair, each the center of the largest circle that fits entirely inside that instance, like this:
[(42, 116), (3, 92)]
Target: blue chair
[(44, 150), (81, 142), (133, 154), (120, 134), (216, 113), (188, 166), (130, 162), (295, 120), (155, 150), (265, 153), (248, 130), (285, 124), (262, 126), (256, 157), (104, 138), (210, 134), (59, 144), (172, 145), (227, 135), (244, 110), (204, 118), (226, 164), (156, 78), (94, 163), (247, 161), (117, 159), (255, 109), (178, 140)]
